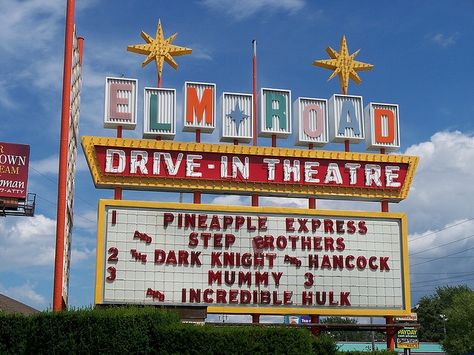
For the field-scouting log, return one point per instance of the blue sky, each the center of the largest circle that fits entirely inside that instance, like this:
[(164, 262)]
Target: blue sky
[(422, 55)]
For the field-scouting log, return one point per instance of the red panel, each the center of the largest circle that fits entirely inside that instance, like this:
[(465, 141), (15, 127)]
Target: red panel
[(210, 169)]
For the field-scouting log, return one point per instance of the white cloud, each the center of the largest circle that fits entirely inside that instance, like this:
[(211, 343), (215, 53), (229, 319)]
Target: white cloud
[(5, 98), (30, 32), (442, 190), (79, 255), (284, 202), (200, 52), (20, 20), (457, 234), (441, 213), (294, 202), (24, 293), (93, 78), (226, 200), (442, 257), (28, 242), (49, 165), (86, 220), (31, 25), (443, 40), (246, 8), (44, 74)]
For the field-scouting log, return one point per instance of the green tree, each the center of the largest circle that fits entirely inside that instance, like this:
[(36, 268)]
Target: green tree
[(432, 312), (460, 325), (346, 335)]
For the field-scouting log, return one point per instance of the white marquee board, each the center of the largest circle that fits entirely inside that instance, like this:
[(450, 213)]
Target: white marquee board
[(136, 266)]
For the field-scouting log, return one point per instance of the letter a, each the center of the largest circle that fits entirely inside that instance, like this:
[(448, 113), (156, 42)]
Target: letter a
[(348, 119)]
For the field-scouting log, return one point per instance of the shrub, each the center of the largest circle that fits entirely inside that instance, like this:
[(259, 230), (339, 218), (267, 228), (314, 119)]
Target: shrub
[(142, 331), (324, 344)]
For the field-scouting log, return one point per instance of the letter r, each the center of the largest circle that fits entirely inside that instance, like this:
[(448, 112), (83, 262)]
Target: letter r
[(275, 106)]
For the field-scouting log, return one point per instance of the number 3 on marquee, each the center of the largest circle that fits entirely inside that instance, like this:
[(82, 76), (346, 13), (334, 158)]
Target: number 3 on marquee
[(309, 279), (112, 273)]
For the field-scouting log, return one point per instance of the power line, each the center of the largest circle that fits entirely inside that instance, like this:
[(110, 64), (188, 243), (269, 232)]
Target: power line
[(443, 257), (441, 245), (45, 199), (447, 257), (440, 230), (442, 279), (423, 288), (55, 182), (54, 204), (437, 273), (443, 284)]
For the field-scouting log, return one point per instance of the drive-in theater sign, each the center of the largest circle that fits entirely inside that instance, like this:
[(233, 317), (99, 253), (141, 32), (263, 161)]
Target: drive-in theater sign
[(150, 164), (252, 259), (259, 260)]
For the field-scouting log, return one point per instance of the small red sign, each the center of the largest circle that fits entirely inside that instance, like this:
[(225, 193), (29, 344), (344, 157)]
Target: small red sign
[(14, 160)]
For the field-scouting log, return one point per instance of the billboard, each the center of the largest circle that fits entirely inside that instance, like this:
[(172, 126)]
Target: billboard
[(252, 259), (221, 168), (14, 160)]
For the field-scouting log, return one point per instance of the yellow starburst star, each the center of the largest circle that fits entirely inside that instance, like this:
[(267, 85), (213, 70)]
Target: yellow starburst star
[(159, 49), (343, 65)]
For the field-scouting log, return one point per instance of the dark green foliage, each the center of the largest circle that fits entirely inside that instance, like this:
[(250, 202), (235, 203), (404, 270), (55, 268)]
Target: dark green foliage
[(112, 330), (350, 335), (460, 325), (145, 331), (189, 339), (344, 335), (432, 308), (13, 333), (324, 345)]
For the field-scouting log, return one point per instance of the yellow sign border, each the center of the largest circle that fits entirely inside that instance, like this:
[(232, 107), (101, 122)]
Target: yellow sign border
[(100, 257), (300, 190)]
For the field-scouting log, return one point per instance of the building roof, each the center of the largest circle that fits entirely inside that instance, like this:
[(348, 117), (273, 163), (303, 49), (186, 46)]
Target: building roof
[(9, 305)]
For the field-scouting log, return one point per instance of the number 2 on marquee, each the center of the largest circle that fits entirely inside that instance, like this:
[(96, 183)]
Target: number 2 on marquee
[(113, 251)]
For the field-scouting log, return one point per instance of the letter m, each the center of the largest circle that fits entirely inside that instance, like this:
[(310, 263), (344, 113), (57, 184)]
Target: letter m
[(214, 277), (200, 108)]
